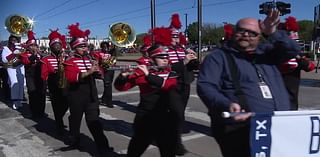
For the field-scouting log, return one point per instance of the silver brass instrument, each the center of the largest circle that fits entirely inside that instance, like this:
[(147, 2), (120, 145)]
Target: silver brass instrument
[(132, 67), (122, 34), (18, 25)]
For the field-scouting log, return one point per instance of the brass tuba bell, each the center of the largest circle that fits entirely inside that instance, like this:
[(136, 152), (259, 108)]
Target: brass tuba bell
[(122, 34), (18, 25)]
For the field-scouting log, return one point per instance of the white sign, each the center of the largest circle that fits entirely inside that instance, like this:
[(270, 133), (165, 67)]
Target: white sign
[(286, 134)]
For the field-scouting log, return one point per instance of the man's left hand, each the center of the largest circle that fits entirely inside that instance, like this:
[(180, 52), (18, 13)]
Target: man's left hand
[(269, 25)]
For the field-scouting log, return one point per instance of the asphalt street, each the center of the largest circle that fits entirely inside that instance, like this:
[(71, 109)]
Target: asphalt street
[(21, 136)]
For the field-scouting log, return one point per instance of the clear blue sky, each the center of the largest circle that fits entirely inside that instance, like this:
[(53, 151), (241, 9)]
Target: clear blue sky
[(97, 15)]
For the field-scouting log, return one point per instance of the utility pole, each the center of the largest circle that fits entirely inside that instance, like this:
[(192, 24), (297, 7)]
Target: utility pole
[(153, 18), (186, 30), (199, 29)]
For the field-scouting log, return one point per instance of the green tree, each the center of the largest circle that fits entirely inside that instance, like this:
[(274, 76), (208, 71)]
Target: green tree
[(193, 33), (211, 33), (306, 30), (139, 39)]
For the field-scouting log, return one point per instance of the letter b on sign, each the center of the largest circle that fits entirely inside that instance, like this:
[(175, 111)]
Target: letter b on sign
[(315, 135)]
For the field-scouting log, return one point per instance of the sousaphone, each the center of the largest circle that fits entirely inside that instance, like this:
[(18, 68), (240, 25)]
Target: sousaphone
[(18, 25), (122, 34)]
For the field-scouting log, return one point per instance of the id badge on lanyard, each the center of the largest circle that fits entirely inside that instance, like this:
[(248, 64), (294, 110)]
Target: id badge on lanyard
[(265, 90)]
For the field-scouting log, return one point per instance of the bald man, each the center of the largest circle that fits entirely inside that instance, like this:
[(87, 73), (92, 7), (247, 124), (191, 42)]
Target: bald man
[(242, 76)]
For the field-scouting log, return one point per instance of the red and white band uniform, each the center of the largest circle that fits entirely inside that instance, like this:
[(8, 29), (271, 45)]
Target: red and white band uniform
[(143, 60), (153, 120), (50, 73), (102, 57), (83, 99), (36, 87)]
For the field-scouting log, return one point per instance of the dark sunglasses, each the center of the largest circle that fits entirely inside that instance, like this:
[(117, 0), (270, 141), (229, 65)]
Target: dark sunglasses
[(250, 32)]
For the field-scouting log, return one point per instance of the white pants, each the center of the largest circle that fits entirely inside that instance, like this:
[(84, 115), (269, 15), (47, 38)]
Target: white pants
[(16, 82)]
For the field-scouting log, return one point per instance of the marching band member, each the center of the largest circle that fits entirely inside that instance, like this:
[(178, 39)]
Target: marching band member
[(35, 85), (144, 59), (82, 91), (10, 57), (104, 55), (291, 69), (228, 32), (175, 42), (52, 71), (4, 86), (154, 120)]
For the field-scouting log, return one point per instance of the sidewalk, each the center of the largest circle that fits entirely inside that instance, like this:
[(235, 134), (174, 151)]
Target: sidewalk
[(18, 141)]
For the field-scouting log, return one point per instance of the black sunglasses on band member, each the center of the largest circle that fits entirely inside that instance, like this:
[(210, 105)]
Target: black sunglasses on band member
[(250, 32)]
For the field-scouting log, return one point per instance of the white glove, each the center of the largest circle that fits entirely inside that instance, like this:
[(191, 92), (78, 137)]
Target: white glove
[(16, 51), (17, 46)]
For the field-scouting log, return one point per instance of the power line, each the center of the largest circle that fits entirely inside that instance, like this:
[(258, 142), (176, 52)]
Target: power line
[(107, 19), (221, 3), (68, 10), (140, 16), (110, 17), (163, 12), (53, 8), (125, 13)]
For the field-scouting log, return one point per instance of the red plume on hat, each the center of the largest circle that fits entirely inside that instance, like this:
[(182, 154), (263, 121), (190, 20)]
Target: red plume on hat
[(228, 31), (147, 42), (175, 21), (76, 32), (79, 36), (162, 35), (31, 39), (291, 24), (182, 39), (55, 36)]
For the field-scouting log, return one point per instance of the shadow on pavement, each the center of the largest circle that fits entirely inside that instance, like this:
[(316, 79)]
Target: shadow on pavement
[(125, 128), (197, 128), (310, 82), (119, 126), (125, 106)]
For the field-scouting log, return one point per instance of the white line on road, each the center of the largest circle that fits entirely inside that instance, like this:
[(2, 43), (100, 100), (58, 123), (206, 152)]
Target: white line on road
[(197, 115), (124, 151), (188, 113), (137, 92), (184, 139), (123, 93)]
